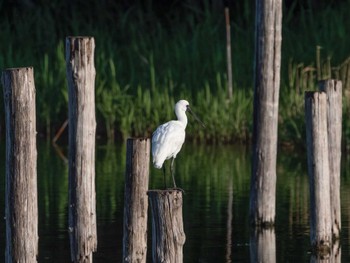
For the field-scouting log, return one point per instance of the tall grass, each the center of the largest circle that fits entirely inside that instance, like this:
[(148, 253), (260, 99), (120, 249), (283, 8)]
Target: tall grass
[(145, 62)]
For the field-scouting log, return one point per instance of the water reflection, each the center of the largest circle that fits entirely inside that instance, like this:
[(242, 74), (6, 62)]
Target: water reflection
[(332, 256), (263, 245), (216, 180), (229, 221)]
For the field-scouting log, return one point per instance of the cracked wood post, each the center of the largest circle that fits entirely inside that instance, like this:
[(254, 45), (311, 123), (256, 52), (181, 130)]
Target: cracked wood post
[(21, 204), (268, 39), (333, 89), (168, 236), (82, 127), (136, 200), (318, 170)]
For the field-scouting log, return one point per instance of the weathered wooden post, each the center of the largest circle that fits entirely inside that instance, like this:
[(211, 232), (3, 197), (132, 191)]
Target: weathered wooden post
[(333, 89), (268, 32), (136, 200), (168, 236), (318, 170), (228, 53), (82, 128), (263, 245), (21, 204)]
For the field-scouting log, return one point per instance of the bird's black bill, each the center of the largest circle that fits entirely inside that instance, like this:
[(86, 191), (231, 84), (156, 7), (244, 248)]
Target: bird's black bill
[(195, 116)]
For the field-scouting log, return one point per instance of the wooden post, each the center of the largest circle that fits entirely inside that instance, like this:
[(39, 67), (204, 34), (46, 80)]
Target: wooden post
[(263, 245), (136, 201), (21, 204), (82, 128), (228, 53), (168, 236), (318, 170), (333, 89), (268, 32)]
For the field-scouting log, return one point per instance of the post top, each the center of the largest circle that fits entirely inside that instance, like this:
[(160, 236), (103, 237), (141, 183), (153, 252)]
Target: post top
[(18, 68), (78, 37), (164, 191), (138, 138)]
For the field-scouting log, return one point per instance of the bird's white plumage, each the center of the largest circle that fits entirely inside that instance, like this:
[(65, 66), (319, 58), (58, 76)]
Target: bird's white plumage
[(167, 141), (168, 138)]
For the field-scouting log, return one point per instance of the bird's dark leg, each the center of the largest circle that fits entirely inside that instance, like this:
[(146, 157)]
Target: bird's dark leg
[(172, 171), (164, 176), (172, 174)]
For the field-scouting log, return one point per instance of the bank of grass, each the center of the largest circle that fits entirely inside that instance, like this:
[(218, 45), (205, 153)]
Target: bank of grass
[(146, 62)]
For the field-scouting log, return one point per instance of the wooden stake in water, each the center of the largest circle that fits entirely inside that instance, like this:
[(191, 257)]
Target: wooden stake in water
[(136, 200), (318, 170), (228, 52), (82, 128), (168, 236), (333, 89), (266, 99), (21, 205)]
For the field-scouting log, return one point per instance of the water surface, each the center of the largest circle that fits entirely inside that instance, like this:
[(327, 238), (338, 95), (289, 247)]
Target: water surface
[(216, 180)]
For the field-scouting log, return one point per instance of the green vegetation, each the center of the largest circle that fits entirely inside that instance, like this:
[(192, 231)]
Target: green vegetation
[(145, 61)]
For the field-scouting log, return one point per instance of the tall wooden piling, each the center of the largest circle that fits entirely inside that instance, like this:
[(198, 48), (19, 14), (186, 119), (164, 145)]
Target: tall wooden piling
[(168, 235), (318, 170), (228, 53), (21, 205), (82, 128), (333, 89), (136, 200), (268, 39)]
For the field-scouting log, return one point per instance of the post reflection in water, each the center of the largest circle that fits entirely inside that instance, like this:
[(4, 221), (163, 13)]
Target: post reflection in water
[(216, 180), (229, 221), (263, 245), (332, 256)]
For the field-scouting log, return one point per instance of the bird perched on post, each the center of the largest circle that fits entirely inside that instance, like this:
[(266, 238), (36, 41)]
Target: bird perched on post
[(169, 137)]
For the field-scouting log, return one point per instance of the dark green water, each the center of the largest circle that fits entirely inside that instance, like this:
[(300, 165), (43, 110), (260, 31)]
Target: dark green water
[(215, 207)]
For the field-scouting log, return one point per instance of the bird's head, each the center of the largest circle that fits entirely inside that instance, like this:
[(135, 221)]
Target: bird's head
[(183, 106)]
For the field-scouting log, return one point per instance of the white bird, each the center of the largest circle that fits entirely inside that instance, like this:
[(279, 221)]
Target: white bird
[(169, 137)]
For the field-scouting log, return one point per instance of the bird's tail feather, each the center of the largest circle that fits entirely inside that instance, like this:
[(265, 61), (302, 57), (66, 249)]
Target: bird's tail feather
[(157, 164)]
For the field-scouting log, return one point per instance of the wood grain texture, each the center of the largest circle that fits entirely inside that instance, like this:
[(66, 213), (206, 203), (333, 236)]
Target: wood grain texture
[(268, 40), (318, 170), (82, 129), (21, 205), (136, 200), (168, 235), (333, 89)]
